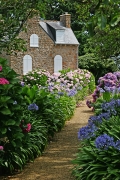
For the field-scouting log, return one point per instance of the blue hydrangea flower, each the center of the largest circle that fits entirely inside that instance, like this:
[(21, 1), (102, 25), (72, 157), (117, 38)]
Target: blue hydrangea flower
[(33, 107), (92, 120), (60, 93), (117, 102), (98, 119), (104, 142), (15, 102), (117, 145), (72, 92), (110, 107), (87, 132), (79, 88)]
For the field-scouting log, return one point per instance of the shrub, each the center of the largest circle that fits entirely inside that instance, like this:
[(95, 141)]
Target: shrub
[(11, 107), (98, 67), (98, 156), (108, 87), (65, 82)]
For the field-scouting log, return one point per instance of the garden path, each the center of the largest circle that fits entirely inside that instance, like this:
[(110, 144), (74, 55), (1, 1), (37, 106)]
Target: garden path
[(55, 163)]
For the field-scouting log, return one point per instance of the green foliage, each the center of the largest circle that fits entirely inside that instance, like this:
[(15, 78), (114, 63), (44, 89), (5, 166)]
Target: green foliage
[(100, 159), (99, 13), (13, 15), (55, 110), (98, 67), (25, 132), (105, 43), (64, 71), (11, 106), (92, 163)]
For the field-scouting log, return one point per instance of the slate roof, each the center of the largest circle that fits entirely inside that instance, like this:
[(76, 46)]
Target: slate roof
[(51, 26)]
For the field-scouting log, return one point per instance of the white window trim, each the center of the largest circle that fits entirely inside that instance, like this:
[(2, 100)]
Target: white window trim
[(58, 38), (26, 58), (59, 59), (32, 39)]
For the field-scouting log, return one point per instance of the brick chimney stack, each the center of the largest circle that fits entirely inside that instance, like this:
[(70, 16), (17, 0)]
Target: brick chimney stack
[(65, 20)]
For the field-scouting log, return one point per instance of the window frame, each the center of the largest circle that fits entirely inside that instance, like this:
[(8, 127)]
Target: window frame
[(56, 68), (27, 58), (60, 38), (34, 40)]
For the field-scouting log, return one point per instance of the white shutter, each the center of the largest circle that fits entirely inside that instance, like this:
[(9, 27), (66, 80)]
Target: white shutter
[(57, 63), (34, 40), (27, 64), (60, 36)]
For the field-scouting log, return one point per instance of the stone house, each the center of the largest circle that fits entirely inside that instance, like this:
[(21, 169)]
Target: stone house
[(51, 45)]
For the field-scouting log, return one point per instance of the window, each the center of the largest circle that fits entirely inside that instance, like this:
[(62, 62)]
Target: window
[(57, 63), (34, 40), (60, 35), (27, 64)]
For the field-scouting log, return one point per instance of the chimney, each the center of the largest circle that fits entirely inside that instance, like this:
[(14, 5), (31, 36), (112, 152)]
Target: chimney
[(65, 20)]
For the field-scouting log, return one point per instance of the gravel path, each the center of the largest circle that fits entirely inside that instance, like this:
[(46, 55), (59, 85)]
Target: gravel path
[(55, 163)]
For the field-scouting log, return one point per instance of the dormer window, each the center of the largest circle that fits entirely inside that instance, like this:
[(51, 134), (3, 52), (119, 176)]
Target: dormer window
[(60, 35), (34, 40)]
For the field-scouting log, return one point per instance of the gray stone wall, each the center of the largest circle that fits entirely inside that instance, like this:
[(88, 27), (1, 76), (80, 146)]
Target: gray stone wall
[(43, 56)]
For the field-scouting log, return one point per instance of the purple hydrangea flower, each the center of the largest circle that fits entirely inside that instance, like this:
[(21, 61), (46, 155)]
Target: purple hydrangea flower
[(22, 83)]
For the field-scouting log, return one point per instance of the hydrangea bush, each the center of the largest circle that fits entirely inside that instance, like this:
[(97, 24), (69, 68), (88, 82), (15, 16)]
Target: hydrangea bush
[(11, 107), (67, 82), (108, 87)]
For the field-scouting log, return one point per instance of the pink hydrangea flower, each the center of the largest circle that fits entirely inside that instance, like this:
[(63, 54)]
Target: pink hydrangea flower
[(4, 81), (0, 68), (1, 148), (27, 129)]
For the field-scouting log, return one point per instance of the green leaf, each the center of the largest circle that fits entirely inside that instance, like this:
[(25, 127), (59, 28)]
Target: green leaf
[(115, 20), (106, 1), (6, 164), (102, 21), (5, 111), (10, 122), (3, 130), (31, 93), (106, 96), (4, 99), (28, 100), (18, 135)]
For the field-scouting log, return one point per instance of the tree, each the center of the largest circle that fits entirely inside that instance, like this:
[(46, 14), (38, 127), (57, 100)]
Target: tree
[(105, 43), (99, 13), (13, 15)]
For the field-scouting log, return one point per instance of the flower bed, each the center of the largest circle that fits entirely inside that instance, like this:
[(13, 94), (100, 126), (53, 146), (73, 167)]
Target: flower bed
[(98, 156), (34, 110)]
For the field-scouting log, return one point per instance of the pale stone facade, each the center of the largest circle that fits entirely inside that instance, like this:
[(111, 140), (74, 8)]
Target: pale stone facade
[(43, 56)]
